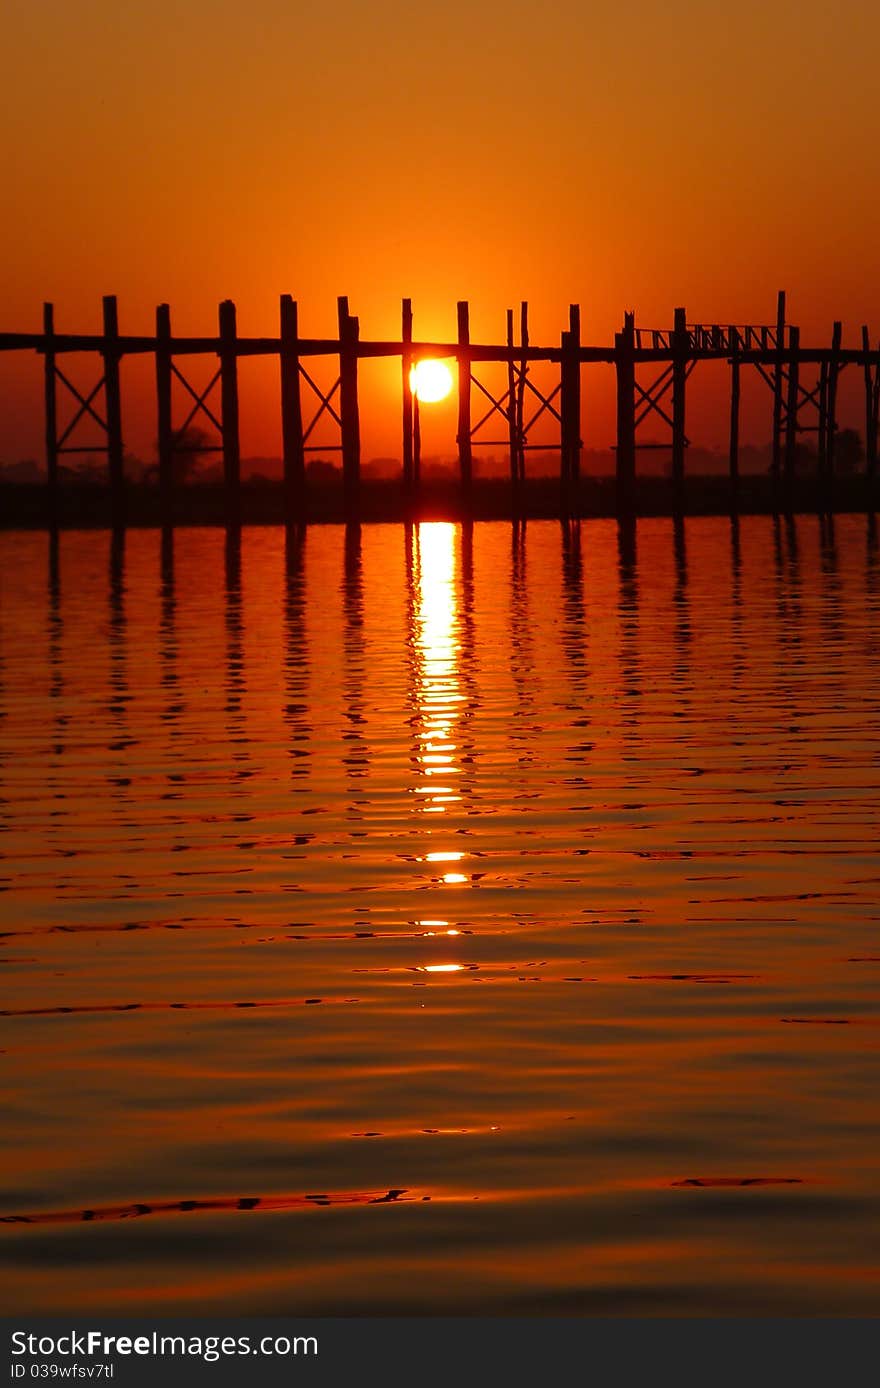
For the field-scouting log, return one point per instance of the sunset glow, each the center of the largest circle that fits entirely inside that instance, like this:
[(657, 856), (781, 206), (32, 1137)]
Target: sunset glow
[(440, 465), (430, 381)]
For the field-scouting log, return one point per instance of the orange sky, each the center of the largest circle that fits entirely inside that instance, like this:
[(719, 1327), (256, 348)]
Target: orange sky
[(642, 156)]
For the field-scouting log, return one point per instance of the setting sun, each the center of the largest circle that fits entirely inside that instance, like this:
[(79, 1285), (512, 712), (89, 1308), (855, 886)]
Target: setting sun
[(430, 381)]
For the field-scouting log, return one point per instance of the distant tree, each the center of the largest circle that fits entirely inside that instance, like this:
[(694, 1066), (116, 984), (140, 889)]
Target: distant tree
[(380, 468), (88, 471), (27, 470), (135, 469), (849, 451), (319, 470), (805, 458), (189, 449)]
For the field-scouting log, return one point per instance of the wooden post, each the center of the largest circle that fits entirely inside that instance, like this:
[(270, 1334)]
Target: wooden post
[(624, 360), (465, 450), (113, 401), (229, 420), (521, 393), (406, 368), (293, 447), (870, 434), (734, 407), (823, 420), (831, 414), (349, 332), (871, 446), (565, 426), (791, 404), (574, 386), (680, 347), (570, 410), (513, 445), (870, 406), (875, 418), (49, 389), (165, 434), (417, 442), (777, 382)]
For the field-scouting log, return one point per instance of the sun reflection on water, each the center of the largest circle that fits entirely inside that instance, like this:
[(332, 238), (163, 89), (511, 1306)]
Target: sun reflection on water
[(439, 693), (439, 701)]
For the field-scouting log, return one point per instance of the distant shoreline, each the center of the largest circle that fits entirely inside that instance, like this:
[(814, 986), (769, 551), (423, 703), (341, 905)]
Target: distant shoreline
[(82, 506)]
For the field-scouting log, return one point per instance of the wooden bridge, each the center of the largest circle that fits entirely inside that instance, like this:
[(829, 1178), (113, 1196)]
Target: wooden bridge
[(803, 384)]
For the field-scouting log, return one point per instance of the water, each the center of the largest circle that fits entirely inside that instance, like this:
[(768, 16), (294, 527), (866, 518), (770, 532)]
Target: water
[(441, 921)]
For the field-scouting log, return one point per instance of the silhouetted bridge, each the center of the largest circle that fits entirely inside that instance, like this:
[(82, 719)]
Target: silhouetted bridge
[(803, 382)]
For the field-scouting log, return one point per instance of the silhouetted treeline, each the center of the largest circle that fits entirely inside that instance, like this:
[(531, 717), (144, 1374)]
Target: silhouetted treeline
[(197, 461)]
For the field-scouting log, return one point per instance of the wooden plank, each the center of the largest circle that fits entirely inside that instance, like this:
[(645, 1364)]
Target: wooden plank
[(476, 352)]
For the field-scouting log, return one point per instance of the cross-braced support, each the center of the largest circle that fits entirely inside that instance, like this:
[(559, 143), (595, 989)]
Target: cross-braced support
[(803, 382), (110, 422), (523, 403), (809, 409), (173, 441), (337, 402), (637, 403)]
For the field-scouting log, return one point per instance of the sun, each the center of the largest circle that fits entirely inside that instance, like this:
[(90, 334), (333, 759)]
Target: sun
[(430, 381)]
